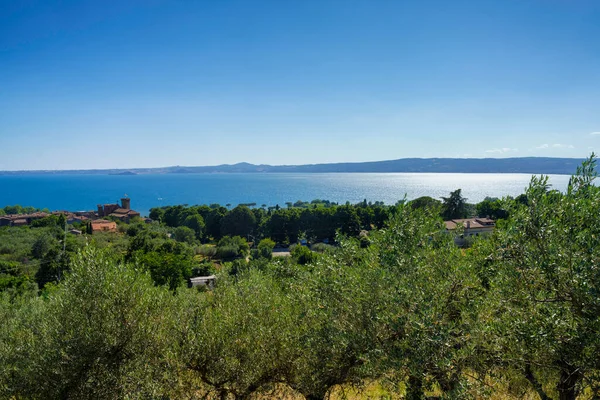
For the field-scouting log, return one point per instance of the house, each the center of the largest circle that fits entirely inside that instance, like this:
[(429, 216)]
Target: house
[(207, 281), (472, 226), (102, 225)]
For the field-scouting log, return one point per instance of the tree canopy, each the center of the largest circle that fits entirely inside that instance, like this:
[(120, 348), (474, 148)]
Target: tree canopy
[(455, 206)]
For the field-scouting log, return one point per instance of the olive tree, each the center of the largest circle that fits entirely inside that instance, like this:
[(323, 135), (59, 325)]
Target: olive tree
[(101, 333), (241, 338), (544, 291), (435, 292)]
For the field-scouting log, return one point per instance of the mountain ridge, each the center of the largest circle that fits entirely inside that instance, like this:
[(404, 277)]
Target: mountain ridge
[(529, 165)]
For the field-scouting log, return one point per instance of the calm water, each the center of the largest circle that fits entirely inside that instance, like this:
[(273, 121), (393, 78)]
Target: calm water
[(84, 192)]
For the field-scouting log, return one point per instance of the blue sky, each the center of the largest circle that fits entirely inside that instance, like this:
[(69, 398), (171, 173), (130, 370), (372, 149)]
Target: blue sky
[(118, 84)]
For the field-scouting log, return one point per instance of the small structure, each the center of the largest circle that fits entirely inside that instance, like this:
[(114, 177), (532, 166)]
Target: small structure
[(19, 222), (472, 227), (102, 225), (206, 281), (75, 231)]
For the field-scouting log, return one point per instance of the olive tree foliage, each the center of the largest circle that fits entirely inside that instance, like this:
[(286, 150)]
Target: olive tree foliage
[(102, 333), (544, 290), (309, 327), (242, 338), (435, 296), (344, 300)]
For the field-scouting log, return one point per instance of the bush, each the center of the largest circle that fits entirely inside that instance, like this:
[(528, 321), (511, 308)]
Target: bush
[(205, 268), (303, 255), (206, 251), (184, 234), (229, 248), (228, 252), (265, 248), (321, 247), (135, 229), (238, 266)]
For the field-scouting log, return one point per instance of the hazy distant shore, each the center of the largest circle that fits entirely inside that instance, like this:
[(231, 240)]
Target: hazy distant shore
[(528, 165)]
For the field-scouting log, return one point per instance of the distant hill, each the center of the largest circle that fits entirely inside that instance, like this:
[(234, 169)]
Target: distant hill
[(527, 165), (123, 173)]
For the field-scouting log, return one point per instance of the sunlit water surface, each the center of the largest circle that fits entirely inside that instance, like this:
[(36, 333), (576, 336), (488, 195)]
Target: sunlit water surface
[(84, 192)]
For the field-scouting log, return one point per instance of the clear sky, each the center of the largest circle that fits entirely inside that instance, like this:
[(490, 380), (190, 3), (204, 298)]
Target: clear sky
[(119, 84)]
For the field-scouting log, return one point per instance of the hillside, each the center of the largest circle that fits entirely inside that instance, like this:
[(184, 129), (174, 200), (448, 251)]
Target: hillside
[(527, 165)]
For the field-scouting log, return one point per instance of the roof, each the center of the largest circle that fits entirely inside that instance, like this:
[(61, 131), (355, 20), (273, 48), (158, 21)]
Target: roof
[(120, 211), (203, 278), (32, 215), (115, 215), (102, 221), (123, 212), (474, 223), (103, 224)]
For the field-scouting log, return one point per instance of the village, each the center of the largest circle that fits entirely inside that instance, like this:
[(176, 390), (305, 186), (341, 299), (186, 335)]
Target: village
[(100, 220)]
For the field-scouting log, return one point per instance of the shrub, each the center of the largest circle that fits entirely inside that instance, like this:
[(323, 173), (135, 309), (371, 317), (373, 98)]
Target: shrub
[(228, 252), (303, 255), (203, 269), (321, 247), (206, 251), (184, 234), (232, 247), (238, 266), (265, 248)]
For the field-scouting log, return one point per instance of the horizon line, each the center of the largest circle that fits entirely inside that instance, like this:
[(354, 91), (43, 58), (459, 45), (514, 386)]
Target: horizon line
[(290, 165)]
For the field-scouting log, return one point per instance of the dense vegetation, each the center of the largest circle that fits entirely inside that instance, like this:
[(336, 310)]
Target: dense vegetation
[(516, 313), (17, 209)]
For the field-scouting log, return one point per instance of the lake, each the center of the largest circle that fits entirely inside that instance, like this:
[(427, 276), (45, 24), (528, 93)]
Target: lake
[(84, 192)]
